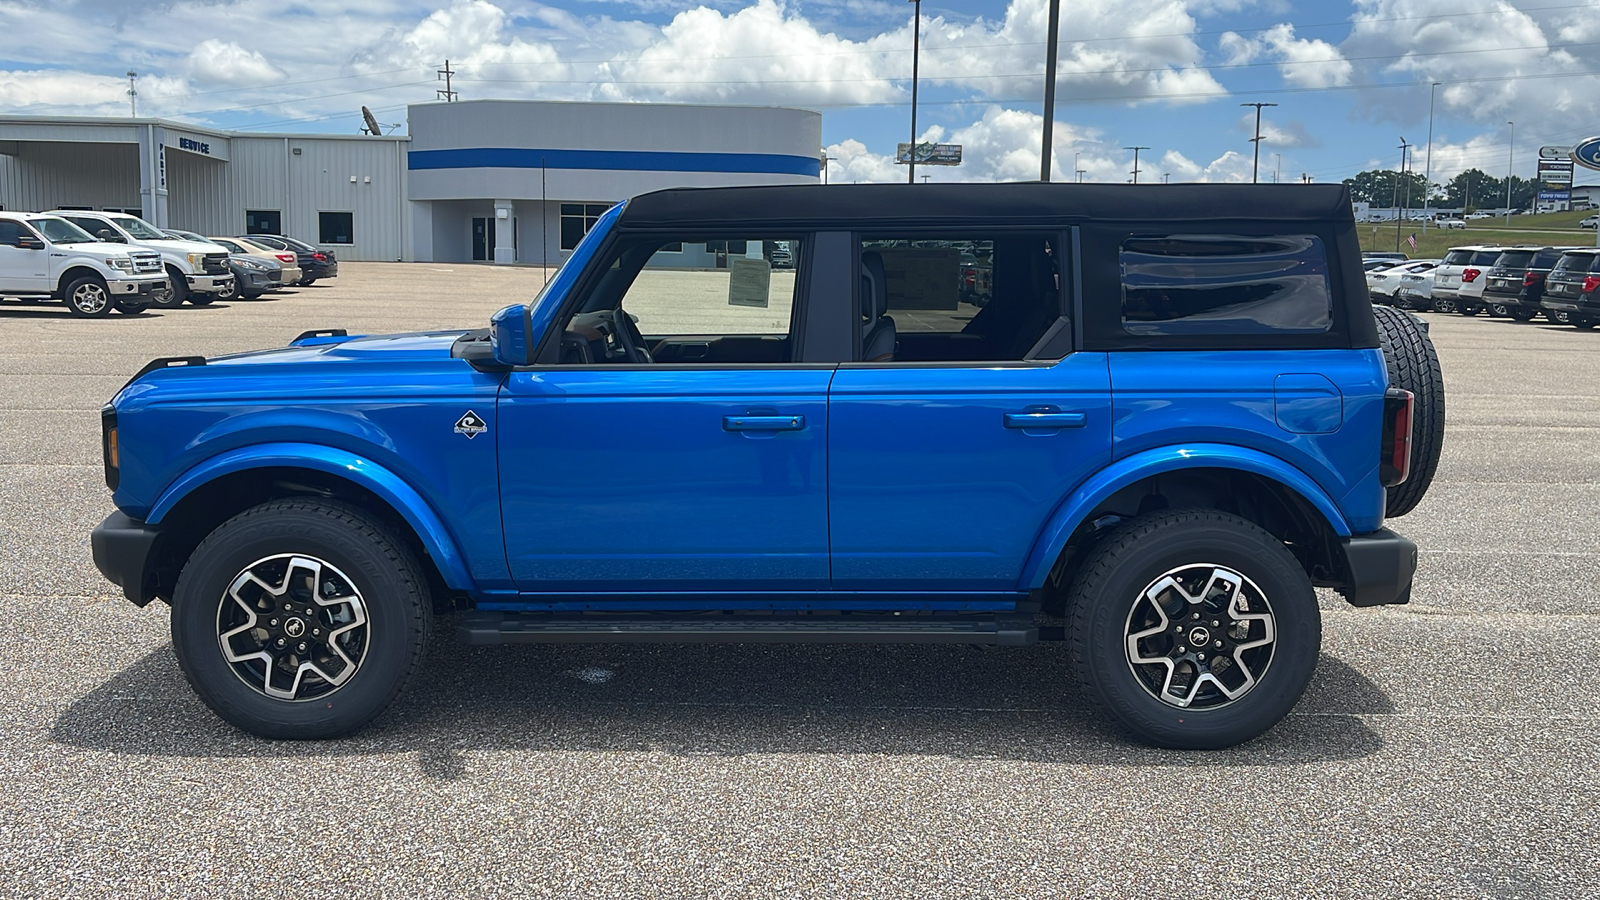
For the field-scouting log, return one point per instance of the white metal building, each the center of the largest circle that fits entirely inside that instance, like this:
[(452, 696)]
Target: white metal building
[(500, 181)]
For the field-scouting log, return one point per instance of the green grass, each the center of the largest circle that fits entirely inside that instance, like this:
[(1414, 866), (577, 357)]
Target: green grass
[(1547, 228)]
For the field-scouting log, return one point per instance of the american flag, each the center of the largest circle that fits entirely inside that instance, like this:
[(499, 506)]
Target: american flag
[(1412, 240)]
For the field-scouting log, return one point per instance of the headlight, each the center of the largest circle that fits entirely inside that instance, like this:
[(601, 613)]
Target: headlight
[(245, 263), (198, 260), (125, 265)]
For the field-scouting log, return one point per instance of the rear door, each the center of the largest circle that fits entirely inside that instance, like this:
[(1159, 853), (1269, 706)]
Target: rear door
[(960, 427)]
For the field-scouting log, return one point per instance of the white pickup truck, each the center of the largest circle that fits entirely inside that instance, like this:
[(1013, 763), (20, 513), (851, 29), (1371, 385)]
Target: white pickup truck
[(199, 271), (46, 257)]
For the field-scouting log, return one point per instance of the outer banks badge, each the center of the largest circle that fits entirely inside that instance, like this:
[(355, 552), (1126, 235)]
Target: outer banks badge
[(471, 425)]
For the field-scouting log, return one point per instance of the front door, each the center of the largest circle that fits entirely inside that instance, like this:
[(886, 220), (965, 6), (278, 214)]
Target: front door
[(23, 270), (675, 446), (482, 239)]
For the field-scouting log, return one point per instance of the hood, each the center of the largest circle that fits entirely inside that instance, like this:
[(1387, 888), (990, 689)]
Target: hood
[(421, 345), (177, 246)]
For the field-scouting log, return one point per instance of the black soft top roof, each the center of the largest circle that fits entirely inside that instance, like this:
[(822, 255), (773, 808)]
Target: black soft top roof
[(1015, 203)]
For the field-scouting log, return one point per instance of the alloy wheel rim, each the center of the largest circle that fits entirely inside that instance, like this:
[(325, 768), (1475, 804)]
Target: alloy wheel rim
[(1200, 636), (293, 627), (90, 298)]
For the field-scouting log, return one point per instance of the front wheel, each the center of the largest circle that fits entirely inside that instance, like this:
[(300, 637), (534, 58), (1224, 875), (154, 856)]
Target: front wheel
[(1195, 628), (205, 299), (300, 619), (177, 291), (88, 297), (1468, 309)]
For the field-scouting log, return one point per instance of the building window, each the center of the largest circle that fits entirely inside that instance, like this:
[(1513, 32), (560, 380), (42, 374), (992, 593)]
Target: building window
[(577, 219), (263, 221), (335, 227)]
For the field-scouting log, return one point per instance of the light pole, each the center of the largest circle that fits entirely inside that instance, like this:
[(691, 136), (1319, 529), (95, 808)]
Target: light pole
[(1080, 173), (1427, 174), (1277, 170), (1050, 90), (1255, 166), (1511, 159), (1136, 161), (1398, 218), (1166, 177), (916, 36)]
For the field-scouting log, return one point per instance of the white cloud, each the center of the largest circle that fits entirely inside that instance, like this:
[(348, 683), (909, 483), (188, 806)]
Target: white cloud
[(214, 62), (1305, 63), (1231, 167)]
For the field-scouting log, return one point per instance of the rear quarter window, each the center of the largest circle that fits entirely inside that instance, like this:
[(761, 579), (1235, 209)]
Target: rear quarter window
[(1199, 284), (1458, 257), (1515, 260)]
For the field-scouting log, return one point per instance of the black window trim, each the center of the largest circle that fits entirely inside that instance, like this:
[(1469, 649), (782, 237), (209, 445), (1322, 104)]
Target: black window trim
[(546, 355)]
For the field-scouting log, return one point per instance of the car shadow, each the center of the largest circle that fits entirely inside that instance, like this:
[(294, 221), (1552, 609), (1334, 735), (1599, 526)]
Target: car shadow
[(724, 700), (21, 311)]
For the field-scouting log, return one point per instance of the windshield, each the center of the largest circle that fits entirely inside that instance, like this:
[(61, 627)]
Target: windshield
[(60, 231), (138, 228), (1516, 260)]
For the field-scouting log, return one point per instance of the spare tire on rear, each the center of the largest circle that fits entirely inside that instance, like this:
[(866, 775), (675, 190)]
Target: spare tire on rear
[(1413, 366)]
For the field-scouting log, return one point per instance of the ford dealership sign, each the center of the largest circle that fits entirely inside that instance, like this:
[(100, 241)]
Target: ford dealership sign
[(1587, 153)]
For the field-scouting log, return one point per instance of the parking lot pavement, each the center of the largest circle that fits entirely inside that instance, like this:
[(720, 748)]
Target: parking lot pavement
[(1445, 748)]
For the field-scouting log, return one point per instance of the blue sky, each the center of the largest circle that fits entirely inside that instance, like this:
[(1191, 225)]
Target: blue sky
[(1350, 78)]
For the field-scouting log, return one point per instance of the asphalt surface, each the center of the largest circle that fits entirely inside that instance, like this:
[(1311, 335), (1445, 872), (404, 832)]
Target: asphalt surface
[(1446, 748)]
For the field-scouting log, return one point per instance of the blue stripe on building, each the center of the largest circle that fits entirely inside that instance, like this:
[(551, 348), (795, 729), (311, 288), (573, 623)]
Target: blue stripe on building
[(630, 160)]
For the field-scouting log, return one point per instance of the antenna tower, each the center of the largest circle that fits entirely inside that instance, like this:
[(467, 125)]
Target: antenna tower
[(447, 95), (133, 95)]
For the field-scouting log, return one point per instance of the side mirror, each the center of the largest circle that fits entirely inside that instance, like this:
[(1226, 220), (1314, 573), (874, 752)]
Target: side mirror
[(509, 336), (27, 242), (106, 234)]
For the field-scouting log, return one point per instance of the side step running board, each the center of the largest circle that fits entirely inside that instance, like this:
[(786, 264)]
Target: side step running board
[(520, 628)]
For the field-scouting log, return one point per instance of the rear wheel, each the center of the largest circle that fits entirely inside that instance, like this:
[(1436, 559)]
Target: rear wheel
[(300, 619), (87, 296), (1444, 305), (1499, 309), (1519, 314), (306, 282), (1195, 628), (1413, 366), (1468, 309)]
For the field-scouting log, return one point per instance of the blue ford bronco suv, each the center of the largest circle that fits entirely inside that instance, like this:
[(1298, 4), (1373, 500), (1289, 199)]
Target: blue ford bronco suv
[(1174, 416)]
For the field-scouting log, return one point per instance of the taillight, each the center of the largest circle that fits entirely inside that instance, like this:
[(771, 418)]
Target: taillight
[(1394, 463), (284, 257), (1530, 278), (110, 452), (320, 257), (1591, 283), (1469, 275)]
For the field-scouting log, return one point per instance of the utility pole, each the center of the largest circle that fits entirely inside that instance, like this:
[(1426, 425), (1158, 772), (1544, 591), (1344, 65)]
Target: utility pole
[(1277, 171), (1050, 90), (1136, 161), (133, 95), (1255, 167), (1511, 159), (1166, 177), (1427, 173), (916, 38), (1398, 216), (1080, 173), (444, 74), (1304, 178)]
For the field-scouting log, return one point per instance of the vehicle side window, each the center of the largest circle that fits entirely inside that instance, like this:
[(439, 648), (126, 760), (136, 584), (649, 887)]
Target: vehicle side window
[(10, 233), (960, 298), (709, 301), (1200, 284)]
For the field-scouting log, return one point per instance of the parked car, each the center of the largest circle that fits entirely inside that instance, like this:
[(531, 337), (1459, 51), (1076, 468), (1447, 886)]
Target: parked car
[(1451, 223), (259, 269), (196, 270), (1572, 289), (1590, 222), (1376, 264), (1383, 254), (1089, 446), (1516, 282), (1415, 291), (1458, 281), (1382, 284), (287, 261), (47, 257), (314, 263)]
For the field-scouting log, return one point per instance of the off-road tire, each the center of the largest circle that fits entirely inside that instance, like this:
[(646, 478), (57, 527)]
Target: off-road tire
[(391, 585), (88, 297), (1114, 578), (1414, 366)]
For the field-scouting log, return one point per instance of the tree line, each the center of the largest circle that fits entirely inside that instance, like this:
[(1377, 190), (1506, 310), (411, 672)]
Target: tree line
[(1472, 189)]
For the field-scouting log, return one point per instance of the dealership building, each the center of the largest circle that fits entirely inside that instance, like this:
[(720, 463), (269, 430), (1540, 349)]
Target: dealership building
[(488, 180)]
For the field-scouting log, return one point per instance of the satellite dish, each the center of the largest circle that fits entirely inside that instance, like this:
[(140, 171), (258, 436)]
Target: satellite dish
[(372, 121)]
